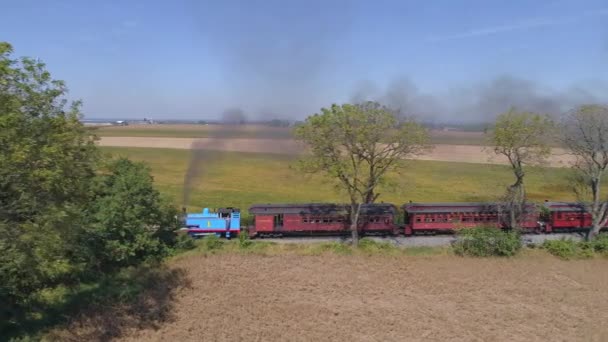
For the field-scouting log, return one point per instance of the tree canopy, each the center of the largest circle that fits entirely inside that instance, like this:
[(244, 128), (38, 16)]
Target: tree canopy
[(585, 134), (524, 139), (64, 215), (357, 145)]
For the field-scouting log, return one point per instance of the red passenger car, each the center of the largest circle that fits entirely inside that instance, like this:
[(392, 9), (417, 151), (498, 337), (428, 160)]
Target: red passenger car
[(448, 217), (320, 219), (564, 216)]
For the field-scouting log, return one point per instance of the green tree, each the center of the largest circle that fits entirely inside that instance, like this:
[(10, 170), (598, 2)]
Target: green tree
[(524, 139), (585, 134), (130, 221), (357, 145), (47, 160)]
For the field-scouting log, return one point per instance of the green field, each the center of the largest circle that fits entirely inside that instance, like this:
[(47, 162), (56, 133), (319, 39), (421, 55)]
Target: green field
[(241, 179)]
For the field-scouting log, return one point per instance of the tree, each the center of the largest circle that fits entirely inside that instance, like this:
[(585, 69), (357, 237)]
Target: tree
[(47, 160), (357, 145), (585, 134), (130, 221), (524, 139), (60, 217)]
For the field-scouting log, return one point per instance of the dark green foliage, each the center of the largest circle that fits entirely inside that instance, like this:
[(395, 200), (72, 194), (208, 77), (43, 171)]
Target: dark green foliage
[(184, 242), (484, 242), (563, 248), (570, 249), (131, 222), (47, 161), (63, 219), (600, 244)]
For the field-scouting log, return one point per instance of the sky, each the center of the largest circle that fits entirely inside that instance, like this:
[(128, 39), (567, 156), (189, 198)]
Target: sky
[(442, 60)]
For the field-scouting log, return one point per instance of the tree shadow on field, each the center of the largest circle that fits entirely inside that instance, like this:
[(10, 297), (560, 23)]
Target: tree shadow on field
[(146, 303)]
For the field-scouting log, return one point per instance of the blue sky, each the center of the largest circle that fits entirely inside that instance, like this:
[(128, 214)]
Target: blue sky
[(194, 59)]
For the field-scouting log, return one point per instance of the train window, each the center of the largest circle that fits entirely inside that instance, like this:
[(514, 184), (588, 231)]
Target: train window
[(325, 220), (386, 220), (331, 220), (340, 220), (305, 220), (418, 219)]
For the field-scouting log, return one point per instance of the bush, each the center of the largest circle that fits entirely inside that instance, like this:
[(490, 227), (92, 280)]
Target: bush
[(212, 242), (184, 242), (600, 244), (564, 248), (244, 240), (569, 249), (487, 241)]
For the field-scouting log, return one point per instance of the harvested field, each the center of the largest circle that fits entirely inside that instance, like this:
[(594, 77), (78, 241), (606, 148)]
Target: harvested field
[(452, 153), (196, 131), (257, 132), (289, 297)]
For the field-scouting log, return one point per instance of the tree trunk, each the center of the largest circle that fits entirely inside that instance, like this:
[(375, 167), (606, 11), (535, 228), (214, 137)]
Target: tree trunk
[(516, 197), (354, 234), (354, 222), (593, 232), (370, 197), (597, 210)]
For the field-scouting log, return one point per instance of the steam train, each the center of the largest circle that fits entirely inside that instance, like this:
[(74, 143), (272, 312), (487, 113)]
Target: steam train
[(318, 219)]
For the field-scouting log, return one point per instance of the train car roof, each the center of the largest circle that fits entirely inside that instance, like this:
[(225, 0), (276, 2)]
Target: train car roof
[(444, 207), (564, 206), (320, 208)]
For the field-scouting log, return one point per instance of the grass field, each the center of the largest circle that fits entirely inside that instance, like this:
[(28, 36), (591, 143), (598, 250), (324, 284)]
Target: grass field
[(241, 179), (256, 131)]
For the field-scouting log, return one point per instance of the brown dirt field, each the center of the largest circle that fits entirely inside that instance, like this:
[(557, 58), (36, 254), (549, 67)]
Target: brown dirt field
[(358, 298), (452, 153), (259, 131)]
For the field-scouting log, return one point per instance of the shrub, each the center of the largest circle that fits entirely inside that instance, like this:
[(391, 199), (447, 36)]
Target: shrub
[(184, 242), (562, 248), (569, 249), (212, 242), (600, 244), (244, 240), (487, 241)]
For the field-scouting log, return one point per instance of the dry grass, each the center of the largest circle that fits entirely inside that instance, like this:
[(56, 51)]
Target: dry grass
[(256, 131), (196, 131), (291, 297), (452, 153)]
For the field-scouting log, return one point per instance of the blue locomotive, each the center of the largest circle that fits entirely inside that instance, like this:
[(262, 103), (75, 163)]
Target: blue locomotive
[(224, 222)]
